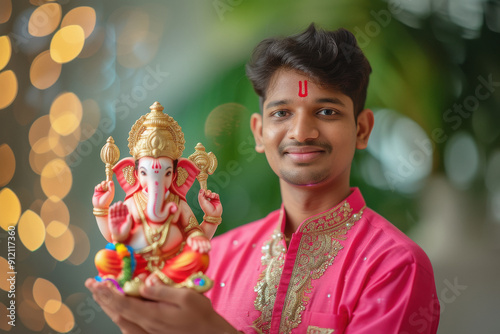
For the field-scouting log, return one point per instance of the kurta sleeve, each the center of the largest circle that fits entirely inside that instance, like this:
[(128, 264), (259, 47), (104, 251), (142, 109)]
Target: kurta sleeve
[(402, 300)]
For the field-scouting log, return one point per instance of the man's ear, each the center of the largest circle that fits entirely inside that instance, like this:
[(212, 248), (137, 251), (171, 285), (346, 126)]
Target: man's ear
[(364, 128), (256, 127)]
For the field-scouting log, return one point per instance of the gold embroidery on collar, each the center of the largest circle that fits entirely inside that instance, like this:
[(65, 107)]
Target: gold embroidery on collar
[(319, 245), (267, 286), (319, 330)]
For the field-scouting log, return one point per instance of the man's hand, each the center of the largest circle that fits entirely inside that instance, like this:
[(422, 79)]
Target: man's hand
[(103, 198), (165, 310)]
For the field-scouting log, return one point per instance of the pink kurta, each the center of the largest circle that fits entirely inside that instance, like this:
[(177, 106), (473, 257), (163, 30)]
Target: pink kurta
[(347, 270)]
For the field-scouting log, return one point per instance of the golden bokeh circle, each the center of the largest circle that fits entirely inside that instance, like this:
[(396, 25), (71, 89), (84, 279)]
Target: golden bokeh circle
[(4, 269), (67, 44), (8, 87), (82, 246), (56, 179), (10, 207), (66, 113), (61, 321), (44, 291), (64, 145), (31, 230), (39, 160), (45, 19), (82, 16), (8, 165), (38, 133), (5, 10), (55, 229), (31, 316), (4, 325), (61, 247), (44, 71), (53, 209), (5, 51)]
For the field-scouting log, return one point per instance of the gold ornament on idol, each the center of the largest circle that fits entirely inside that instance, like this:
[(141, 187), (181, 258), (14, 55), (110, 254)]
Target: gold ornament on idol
[(109, 155), (206, 163), (156, 134)]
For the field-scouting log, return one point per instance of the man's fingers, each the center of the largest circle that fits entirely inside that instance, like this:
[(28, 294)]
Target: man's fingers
[(160, 292)]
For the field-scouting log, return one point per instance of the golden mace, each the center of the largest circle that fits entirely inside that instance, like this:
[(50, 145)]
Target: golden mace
[(206, 163), (109, 155)]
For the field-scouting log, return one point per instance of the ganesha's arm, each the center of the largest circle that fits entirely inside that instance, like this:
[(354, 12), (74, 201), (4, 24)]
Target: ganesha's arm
[(102, 223), (188, 221)]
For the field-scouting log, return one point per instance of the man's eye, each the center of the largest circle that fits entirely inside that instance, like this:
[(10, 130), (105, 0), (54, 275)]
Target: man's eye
[(326, 112), (280, 113)]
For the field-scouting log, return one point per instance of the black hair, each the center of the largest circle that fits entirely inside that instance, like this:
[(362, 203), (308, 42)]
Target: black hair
[(332, 58)]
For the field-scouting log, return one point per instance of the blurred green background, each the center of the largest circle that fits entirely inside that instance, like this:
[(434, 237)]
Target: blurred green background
[(432, 167)]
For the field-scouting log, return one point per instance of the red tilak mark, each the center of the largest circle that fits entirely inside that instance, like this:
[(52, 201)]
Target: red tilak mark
[(156, 164), (303, 93)]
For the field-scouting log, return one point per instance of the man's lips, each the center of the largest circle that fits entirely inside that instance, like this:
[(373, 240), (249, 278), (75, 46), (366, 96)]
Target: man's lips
[(302, 154)]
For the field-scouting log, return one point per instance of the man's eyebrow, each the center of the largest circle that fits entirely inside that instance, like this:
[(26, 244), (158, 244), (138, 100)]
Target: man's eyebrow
[(333, 100), (277, 103)]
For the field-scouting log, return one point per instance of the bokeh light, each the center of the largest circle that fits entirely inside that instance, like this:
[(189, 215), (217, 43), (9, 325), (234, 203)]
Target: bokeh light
[(5, 51), (61, 321), (4, 269), (67, 44), (31, 230), (8, 87), (38, 135), (31, 315), (461, 160), (82, 246), (53, 209), (64, 145), (44, 72), (56, 179), (66, 113), (44, 19), (62, 246), (83, 16), (10, 207), (137, 36), (5, 10), (38, 161), (55, 228), (44, 291), (8, 165), (4, 325), (223, 122)]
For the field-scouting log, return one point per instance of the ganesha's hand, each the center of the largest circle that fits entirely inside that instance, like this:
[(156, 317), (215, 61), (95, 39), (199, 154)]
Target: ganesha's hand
[(199, 243), (210, 203), (120, 221), (103, 198)]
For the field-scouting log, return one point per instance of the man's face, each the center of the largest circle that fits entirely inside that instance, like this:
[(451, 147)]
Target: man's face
[(308, 132)]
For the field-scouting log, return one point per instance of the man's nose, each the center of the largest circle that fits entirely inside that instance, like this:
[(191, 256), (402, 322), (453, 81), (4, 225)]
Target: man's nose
[(303, 128)]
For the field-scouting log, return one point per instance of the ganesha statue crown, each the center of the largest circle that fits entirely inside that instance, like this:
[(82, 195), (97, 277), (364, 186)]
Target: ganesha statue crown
[(156, 134)]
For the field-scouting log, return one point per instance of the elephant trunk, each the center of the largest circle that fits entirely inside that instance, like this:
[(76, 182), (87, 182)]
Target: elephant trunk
[(156, 200)]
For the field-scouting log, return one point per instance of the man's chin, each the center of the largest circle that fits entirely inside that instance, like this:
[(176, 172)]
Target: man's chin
[(301, 180)]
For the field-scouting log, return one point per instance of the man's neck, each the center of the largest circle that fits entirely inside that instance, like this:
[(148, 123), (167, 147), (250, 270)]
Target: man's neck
[(302, 202)]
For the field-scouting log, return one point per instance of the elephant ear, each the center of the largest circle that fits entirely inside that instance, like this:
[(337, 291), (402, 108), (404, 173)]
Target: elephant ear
[(126, 176), (184, 178)]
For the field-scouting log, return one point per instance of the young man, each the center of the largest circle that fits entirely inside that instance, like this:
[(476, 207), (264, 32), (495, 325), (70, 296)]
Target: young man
[(323, 262)]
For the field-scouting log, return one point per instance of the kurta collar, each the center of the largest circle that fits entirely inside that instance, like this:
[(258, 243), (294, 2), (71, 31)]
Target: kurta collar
[(324, 221)]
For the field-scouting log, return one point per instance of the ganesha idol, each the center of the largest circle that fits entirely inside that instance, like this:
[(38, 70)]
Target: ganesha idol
[(154, 231)]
